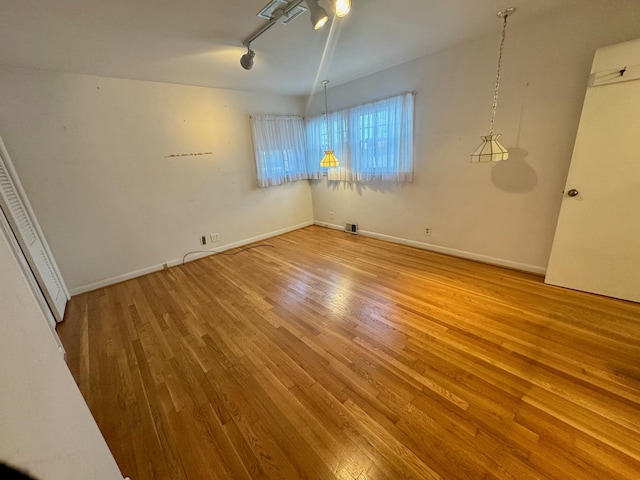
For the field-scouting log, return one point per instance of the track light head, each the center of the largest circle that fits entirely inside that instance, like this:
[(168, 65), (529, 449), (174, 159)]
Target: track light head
[(318, 14), (343, 7), (247, 59)]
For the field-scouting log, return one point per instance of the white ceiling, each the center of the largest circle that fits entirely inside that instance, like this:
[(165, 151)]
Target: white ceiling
[(199, 42)]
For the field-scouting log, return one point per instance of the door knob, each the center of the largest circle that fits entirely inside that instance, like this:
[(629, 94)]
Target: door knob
[(573, 192)]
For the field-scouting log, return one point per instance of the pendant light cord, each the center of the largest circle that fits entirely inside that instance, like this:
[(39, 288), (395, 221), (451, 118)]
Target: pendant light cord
[(497, 88), (326, 113)]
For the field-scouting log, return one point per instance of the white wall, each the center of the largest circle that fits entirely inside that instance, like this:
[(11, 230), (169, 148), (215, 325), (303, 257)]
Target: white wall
[(45, 425), (91, 154), (504, 211)]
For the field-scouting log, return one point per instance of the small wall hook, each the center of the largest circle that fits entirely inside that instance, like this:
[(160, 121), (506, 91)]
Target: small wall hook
[(622, 72)]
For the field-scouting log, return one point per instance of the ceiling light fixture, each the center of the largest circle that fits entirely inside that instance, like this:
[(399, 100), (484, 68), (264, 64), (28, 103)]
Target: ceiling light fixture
[(289, 10), (343, 7), (247, 59), (319, 15), (329, 159), (491, 150)]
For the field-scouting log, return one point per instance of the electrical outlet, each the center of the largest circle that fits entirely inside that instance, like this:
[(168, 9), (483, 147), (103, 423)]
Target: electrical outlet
[(215, 237), (203, 240), (427, 231), (332, 215)]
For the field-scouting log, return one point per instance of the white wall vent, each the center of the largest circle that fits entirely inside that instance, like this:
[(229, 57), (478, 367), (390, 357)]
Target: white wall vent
[(351, 228)]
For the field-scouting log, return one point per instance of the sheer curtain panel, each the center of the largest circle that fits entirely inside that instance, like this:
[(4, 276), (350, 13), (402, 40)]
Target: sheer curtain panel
[(318, 142), (279, 146), (381, 140), (373, 142)]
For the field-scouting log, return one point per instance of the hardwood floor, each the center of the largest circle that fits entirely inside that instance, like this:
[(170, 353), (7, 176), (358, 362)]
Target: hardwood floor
[(338, 356)]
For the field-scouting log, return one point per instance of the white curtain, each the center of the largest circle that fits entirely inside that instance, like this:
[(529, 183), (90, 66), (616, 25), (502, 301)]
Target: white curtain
[(318, 141), (279, 146), (373, 142)]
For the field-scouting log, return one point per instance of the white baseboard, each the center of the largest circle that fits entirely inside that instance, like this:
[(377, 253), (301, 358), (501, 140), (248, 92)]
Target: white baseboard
[(178, 261), (388, 238), (446, 250)]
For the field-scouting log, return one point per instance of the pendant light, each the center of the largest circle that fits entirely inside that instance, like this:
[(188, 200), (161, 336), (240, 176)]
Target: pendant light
[(491, 150), (329, 159)]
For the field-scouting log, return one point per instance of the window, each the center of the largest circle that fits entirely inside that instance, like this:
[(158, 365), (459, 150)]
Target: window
[(279, 149), (373, 142), (318, 140)]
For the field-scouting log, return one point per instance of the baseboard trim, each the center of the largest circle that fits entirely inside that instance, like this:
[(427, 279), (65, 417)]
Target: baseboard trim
[(445, 250), (178, 261)]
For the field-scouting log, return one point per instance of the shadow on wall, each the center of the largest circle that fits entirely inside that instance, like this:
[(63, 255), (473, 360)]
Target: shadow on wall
[(515, 175), (360, 187)]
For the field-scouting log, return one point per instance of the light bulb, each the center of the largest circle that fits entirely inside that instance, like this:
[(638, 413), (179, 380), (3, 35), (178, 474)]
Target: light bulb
[(343, 7)]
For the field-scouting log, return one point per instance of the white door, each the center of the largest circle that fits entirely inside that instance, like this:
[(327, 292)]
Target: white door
[(24, 225), (596, 247)]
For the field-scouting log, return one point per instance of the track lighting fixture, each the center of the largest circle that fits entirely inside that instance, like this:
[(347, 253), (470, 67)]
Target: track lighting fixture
[(247, 59), (286, 11)]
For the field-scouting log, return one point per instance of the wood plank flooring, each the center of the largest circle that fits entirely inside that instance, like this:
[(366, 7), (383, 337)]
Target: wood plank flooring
[(331, 356)]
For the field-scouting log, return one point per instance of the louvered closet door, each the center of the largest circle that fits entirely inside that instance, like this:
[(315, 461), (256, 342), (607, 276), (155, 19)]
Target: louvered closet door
[(25, 228)]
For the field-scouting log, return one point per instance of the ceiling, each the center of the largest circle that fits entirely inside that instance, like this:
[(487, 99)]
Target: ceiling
[(199, 42)]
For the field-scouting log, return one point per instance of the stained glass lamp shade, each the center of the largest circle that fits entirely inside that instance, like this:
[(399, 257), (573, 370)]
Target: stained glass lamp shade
[(491, 150), (329, 160)]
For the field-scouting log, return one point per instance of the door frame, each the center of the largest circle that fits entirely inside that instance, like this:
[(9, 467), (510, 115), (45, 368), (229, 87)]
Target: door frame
[(54, 271), (30, 278)]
